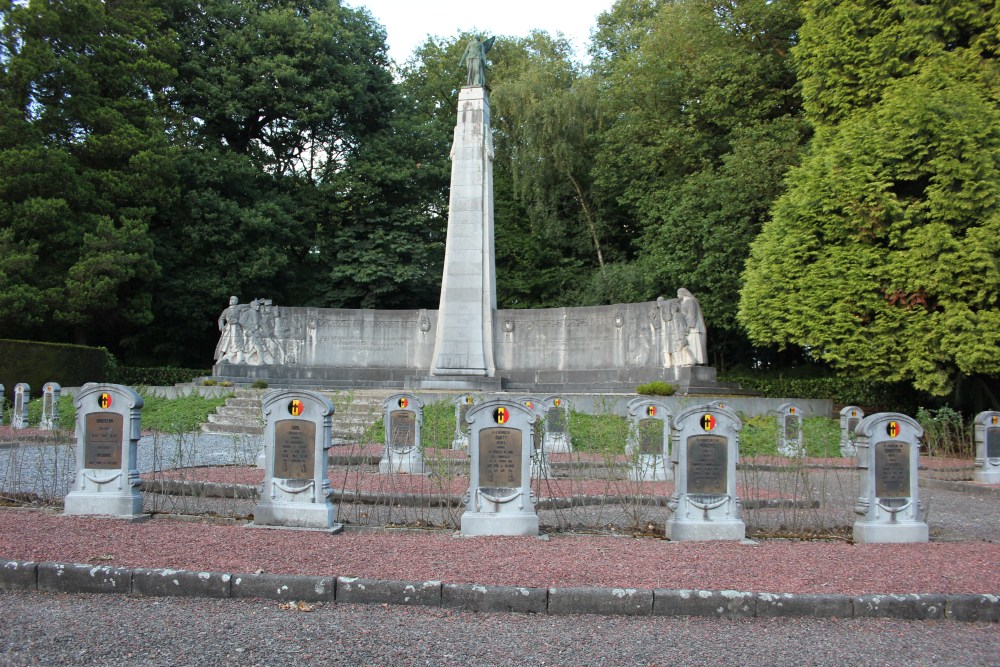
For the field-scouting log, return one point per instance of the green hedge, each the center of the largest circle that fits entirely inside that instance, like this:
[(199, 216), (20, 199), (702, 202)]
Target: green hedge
[(869, 394), (135, 376), (38, 363)]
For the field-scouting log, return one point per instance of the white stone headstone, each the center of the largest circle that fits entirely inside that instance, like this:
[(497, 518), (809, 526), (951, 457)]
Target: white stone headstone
[(704, 453), (463, 404), (850, 417), (22, 395), (500, 500), (298, 431), (987, 432), (50, 406), (888, 446), (648, 444), (403, 452), (790, 430), (539, 455), (108, 428), (557, 437)]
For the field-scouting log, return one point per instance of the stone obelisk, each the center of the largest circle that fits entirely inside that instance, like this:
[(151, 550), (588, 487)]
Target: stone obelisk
[(464, 343)]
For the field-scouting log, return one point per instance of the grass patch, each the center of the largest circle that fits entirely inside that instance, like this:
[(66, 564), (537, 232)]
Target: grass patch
[(759, 437), (183, 414)]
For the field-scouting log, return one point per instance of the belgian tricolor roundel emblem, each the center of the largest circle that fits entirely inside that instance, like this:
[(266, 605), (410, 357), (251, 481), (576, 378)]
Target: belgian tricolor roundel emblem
[(557, 402), (468, 400), (892, 428), (651, 411), (994, 420), (403, 402), (791, 411), (530, 405), (707, 422), (105, 400), (501, 415), (295, 407)]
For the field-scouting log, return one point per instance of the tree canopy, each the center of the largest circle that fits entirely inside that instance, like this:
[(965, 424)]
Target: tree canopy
[(881, 259)]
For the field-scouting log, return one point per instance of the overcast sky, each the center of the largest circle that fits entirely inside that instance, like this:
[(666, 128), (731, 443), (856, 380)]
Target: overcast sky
[(408, 22)]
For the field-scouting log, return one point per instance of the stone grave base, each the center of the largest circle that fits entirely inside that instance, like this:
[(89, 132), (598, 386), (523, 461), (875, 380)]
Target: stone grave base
[(403, 464), (651, 469), (870, 532), (123, 505), (701, 531), (295, 515), (557, 444), (483, 523), (986, 476)]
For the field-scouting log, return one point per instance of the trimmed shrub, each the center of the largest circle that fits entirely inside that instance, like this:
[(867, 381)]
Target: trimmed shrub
[(871, 395), (38, 363), (165, 376), (656, 389)]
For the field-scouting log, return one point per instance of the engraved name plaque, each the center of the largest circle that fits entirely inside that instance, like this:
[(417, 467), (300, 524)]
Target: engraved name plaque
[(500, 458), (556, 420), (463, 426), (651, 437), (403, 428), (892, 469), (294, 449), (851, 425), (791, 428), (993, 443), (102, 442), (707, 459)]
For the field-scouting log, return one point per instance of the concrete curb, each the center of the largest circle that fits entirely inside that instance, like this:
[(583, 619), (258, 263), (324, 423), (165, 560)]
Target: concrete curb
[(83, 578), (80, 578), (473, 597), (606, 601)]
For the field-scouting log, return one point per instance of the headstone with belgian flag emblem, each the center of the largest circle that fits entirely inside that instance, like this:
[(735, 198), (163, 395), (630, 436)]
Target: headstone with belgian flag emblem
[(500, 500), (298, 431), (108, 428), (888, 447)]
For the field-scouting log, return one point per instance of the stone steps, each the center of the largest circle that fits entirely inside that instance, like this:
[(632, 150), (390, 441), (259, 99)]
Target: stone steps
[(355, 412)]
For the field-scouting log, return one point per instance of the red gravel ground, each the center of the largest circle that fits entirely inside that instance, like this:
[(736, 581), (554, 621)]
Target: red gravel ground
[(564, 560)]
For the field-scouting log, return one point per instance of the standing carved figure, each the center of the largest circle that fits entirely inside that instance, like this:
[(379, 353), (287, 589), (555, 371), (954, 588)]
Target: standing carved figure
[(676, 331), (231, 344), (474, 59), (697, 332)]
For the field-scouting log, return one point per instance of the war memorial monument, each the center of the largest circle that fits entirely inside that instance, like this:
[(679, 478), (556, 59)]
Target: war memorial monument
[(468, 343)]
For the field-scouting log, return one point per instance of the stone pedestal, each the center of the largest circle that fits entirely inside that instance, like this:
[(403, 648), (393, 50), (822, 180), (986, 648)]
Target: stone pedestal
[(50, 406), (888, 456), (464, 340), (108, 428), (790, 430), (499, 500)]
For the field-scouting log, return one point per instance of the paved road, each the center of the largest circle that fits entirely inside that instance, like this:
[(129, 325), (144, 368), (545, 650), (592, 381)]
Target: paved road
[(47, 629)]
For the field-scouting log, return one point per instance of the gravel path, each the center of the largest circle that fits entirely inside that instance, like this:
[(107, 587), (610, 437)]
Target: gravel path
[(118, 631)]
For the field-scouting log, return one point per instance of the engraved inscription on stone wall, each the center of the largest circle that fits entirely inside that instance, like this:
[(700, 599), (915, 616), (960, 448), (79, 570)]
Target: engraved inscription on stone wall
[(402, 428), (892, 469), (500, 457), (294, 449), (993, 443), (102, 441), (707, 464), (851, 425), (651, 437)]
